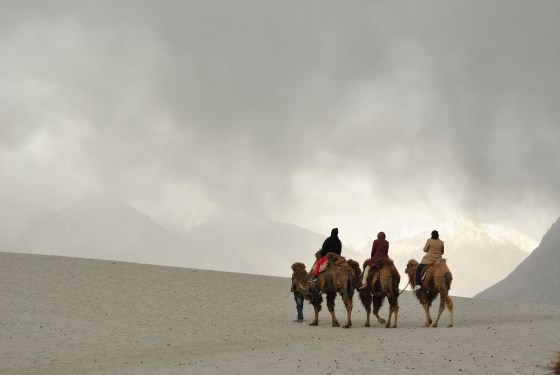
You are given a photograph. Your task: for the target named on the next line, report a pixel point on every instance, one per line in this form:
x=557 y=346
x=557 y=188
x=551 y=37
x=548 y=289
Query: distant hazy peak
x=102 y=196
x=462 y=229
x=99 y=202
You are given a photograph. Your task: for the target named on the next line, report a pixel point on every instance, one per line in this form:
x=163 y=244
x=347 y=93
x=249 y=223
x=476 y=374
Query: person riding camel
x=379 y=249
x=331 y=245
x=434 y=249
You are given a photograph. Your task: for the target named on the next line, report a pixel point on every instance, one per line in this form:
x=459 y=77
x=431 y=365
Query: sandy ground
x=75 y=316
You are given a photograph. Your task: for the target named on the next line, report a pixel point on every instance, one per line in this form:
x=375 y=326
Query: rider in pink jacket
x=379 y=249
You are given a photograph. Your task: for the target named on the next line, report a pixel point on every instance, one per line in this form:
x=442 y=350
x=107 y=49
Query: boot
x=365 y=275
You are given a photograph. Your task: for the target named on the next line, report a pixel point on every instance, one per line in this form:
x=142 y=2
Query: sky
x=360 y=115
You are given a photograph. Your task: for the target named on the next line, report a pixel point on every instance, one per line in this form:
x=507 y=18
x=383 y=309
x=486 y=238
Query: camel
x=437 y=281
x=337 y=278
x=382 y=283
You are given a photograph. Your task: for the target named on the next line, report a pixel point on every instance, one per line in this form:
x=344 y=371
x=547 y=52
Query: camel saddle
x=376 y=268
x=332 y=260
x=424 y=272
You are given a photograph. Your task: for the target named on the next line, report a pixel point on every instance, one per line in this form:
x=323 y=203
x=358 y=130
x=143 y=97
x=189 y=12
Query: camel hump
x=354 y=267
x=334 y=257
x=335 y=261
x=297 y=266
x=384 y=262
x=352 y=263
x=440 y=264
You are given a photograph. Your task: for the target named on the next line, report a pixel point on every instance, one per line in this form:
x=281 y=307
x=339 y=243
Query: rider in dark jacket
x=331 y=245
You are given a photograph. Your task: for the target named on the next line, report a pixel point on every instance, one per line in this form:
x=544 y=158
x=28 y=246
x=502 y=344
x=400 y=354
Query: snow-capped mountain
x=478 y=255
x=465 y=231
x=536 y=279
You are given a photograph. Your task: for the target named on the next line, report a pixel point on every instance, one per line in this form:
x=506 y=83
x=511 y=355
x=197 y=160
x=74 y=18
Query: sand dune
x=77 y=316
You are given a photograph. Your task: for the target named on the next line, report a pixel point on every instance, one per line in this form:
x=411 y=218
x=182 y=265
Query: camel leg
x=368 y=313
x=377 y=302
x=317 y=308
x=440 y=310
x=388 y=323
x=428 y=320
x=396 y=311
x=330 y=305
x=393 y=309
x=348 y=304
x=365 y=297
x=449 y=303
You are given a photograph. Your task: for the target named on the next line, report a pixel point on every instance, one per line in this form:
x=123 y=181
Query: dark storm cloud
x=497 y=77
x=237 y=97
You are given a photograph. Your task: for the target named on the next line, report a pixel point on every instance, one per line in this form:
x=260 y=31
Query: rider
x=331 y=245
x=434 y=249
x=379 y=249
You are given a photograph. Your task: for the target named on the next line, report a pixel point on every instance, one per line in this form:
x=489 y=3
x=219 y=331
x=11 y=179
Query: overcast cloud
x=355 y=113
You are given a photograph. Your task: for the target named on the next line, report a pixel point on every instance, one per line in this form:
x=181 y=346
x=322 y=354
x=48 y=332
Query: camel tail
x=448 y=279
x=396 y=282
x=429 y=276
x=365 y=297
x=350 y=288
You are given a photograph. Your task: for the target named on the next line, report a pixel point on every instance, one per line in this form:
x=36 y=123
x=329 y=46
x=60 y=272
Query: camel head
x=412 y=265
x=410 y=270
x=298 y=267
x=299 y=277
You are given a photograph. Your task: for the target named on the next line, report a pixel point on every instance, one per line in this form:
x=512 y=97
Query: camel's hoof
x=395 y=326
x=382 y=321
x=434 y=325
x=346 y=326
x=449 y=326
x=336 y=324
x=313 y=324
x=387 y=325
x=366 y=325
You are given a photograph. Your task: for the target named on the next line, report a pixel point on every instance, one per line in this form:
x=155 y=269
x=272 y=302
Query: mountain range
x=536 y=279
x=102 y=226
x=253 y=244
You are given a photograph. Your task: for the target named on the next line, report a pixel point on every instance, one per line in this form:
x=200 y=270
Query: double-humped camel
x=437 y=281
x=383 y=282
x=338 y=277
